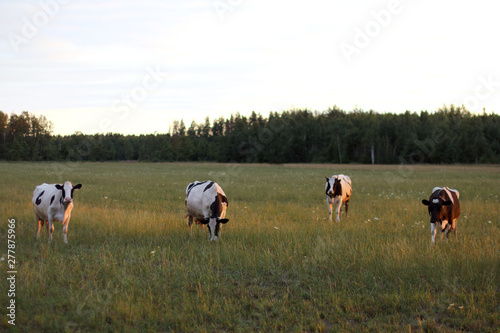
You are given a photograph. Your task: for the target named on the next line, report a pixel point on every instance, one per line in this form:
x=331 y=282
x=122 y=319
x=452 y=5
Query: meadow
x=280 y=265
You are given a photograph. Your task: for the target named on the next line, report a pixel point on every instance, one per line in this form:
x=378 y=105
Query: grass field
x=280 y=265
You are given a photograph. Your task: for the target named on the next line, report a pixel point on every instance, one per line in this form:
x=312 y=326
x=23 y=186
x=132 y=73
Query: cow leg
x=454 y=225
x=66 y=226
x=329 y=203
x=446 y=232
x=50 y=228
x=338 y=210
x=39 y=224
x=433 y=232
x=346 y=207
x=445 y=228
x=65 y=232
x=190 y=224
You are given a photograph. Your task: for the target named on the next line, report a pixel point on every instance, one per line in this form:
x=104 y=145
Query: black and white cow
x=206 y=203
x=53 y=202
x=444 y=209
x=338 y=189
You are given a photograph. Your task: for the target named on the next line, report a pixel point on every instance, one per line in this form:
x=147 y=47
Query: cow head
x=67 y=192
x=328 y=187
x=213 y=224
x=435 y=208
x=333 y=189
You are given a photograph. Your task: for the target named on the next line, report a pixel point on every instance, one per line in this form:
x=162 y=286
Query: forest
x=449 y=135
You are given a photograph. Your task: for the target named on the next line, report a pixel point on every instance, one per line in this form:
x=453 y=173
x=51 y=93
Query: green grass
x=280 y=265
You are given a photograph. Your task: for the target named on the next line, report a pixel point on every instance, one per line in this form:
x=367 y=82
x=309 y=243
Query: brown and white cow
x=444 y=209
x=206 y=203
x=338 y=190
x=53 y=202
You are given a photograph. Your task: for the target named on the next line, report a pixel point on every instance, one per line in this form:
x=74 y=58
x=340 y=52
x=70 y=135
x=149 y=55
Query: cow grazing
x=206 y=203
x=53 y=202
x=338 y=190
x=444 y=209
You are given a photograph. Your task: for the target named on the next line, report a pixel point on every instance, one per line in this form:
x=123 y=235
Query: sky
x=135 y=67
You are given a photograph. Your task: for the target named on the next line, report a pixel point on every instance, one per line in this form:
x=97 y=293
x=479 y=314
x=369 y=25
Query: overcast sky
x=134 y=67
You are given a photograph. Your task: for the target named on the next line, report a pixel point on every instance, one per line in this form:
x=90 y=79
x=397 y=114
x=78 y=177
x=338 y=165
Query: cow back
x=46 y=197
x=455 y=207
x=205 y=200
x=46 y=194
x=346 y=188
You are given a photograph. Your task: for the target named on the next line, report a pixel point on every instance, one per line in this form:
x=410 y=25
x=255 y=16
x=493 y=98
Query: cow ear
x=205 y=221
x=426 y=202
x=59 y=187
x=77 y=187
x=224 y=221
x=447 y=203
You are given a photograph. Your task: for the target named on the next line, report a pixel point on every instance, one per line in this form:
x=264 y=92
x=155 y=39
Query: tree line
x=450 y=135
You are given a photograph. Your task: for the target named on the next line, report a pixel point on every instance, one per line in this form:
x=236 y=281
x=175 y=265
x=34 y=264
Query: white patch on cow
x=436 y=189
x=454 y=191
x=435 y=201
x=447 y=190
x=433 y=231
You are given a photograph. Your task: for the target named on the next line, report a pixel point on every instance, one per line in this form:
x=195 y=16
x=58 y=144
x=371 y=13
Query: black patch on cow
x=327 y=186
x=61 y=188
x=216 y=206
x=75 y=187
x=337 y=187
x=52 y=199
x=190 y=186
x=39 y=198
x=217 y=229
x=208 y=186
